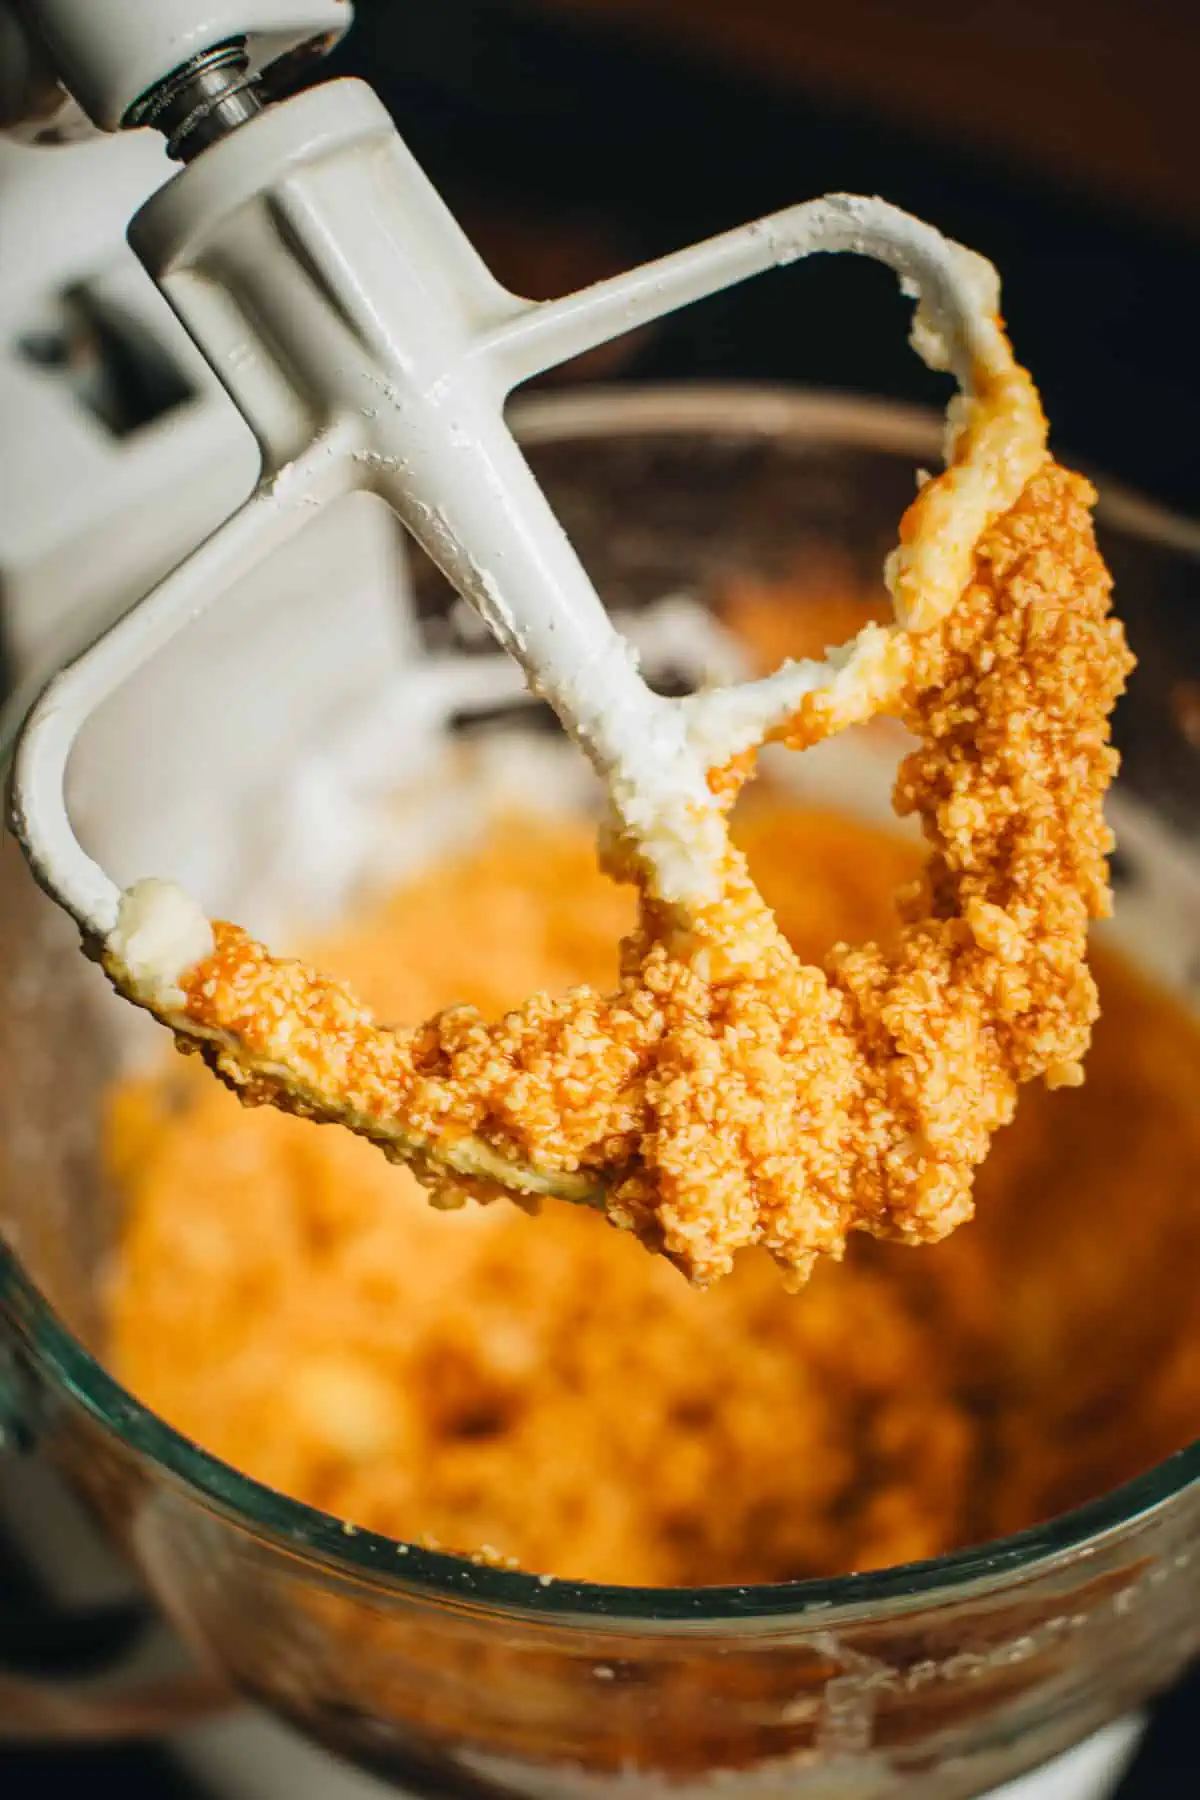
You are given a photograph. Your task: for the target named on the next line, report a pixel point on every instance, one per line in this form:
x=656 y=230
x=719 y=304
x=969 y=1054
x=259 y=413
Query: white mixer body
x=92 y=513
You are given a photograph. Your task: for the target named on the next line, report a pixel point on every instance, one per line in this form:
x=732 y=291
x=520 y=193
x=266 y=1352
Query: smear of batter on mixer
x=727 y=1094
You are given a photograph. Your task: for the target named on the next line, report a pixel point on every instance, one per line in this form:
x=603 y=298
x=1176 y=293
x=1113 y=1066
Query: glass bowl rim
x=358 y=1556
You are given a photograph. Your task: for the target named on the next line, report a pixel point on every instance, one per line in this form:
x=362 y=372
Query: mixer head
x=193 y=71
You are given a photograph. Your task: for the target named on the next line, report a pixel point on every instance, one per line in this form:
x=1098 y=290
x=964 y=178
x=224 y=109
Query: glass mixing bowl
x=936 y=1680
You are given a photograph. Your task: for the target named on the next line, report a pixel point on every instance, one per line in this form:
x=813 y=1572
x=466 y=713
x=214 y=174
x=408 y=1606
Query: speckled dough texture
x=727 y=1094
x=541 y=1390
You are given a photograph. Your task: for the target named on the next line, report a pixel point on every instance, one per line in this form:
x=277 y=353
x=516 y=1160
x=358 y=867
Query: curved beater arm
x=37 y=802
x=554 y=331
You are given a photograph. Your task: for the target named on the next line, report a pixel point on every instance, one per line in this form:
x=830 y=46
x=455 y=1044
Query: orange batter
x=541 y=1390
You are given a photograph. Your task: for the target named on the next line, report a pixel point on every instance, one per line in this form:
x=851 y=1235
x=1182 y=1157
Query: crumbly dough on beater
x=727 y=1094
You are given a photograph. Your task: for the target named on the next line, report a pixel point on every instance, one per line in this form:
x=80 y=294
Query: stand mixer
x=209 y=107
x=369 y=348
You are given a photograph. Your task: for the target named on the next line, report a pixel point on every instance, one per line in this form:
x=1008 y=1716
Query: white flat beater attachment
x=370 y=348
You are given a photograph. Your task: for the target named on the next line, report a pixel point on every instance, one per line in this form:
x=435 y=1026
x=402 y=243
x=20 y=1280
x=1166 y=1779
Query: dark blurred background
x=1060 y=138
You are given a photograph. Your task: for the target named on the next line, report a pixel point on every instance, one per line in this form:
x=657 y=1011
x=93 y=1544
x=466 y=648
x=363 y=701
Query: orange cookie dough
x=541 y=1391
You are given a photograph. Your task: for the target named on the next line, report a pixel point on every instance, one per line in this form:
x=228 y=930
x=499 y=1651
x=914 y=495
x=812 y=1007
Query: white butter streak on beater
x=159 y=935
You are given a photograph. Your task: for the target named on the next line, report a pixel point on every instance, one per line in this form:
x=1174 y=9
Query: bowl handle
x=95 y=1674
